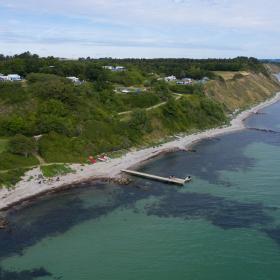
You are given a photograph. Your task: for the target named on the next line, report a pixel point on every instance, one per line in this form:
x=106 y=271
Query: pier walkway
x=170 y=180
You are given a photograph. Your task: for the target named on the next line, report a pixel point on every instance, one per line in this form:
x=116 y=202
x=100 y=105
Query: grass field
x=55 y=170
x=228 y=75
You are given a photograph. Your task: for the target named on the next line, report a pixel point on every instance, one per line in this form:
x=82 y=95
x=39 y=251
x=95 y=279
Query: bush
x=12 y=161
x=22 y=145
x=56 y=170
x=11 y=178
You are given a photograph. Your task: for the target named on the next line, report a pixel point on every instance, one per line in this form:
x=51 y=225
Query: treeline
x=139 y=69
x=194 y=68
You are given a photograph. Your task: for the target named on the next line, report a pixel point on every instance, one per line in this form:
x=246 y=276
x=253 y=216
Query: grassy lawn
x=56 y=170
x=228 y=75
x=11 y=161
x=3 y=144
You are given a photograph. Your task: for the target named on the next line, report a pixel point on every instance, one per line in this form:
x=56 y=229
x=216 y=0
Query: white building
x=74 y=80
x=204 y=80
x=185 y=81
x=109 y=67
x=14 y=77
x=170 y=78
x=119 y=68
x=10 y=77
x=114 y=68
x=125 y=90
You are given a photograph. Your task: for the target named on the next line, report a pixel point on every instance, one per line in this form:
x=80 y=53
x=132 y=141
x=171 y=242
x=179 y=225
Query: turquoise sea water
x=224 y=225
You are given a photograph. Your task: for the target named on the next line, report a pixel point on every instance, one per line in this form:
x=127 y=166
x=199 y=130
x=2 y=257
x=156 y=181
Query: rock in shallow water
x=3 y=223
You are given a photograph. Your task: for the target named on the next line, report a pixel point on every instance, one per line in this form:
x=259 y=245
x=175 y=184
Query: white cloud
x=247 y=13
x=210 y=26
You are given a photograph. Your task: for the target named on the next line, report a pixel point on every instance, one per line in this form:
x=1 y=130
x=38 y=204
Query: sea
x=225 y=224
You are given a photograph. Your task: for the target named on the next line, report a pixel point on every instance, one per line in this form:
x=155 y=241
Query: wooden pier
x=170 y=180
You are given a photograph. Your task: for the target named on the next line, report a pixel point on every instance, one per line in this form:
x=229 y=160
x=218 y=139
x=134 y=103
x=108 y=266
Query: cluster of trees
x=76 y=121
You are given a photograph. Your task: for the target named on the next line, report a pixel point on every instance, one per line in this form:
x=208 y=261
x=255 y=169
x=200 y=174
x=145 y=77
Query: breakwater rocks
x=118 y=180
x=122 y=181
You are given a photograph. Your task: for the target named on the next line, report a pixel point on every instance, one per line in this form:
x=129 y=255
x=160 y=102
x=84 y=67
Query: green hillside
x=73 y=122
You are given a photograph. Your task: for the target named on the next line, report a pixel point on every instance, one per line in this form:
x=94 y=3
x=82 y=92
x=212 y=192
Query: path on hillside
x=39 y=158
x=178 y=96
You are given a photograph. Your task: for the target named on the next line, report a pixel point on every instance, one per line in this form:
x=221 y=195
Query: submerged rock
x=3 y=223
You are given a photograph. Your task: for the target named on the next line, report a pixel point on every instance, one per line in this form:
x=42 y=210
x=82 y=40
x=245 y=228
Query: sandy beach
x=29 y=186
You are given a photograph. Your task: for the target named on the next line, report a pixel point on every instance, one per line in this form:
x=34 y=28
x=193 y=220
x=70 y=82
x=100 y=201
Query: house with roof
x=119 y=68
x=75 y=80
x=14 y=77
x=109 y=67
x=170 y=78
x=185 y=81
x=10 y=77
x=204 y=80
x=115 y=68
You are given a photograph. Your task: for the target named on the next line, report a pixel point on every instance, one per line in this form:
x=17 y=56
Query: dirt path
x=178 y=96
x=39 y=158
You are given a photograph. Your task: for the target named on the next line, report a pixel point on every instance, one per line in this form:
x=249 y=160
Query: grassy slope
x=243 y=91
x=228 y=75
x=56 y=170
x=187 y=114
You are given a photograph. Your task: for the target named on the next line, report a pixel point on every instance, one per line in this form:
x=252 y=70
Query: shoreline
x=28 y=189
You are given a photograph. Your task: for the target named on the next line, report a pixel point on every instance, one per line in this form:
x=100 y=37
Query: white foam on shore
x=27 y=188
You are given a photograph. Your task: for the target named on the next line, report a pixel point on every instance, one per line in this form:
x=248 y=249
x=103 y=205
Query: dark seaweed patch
x=226 y=214
x=212 y=157
x=23 y=275
x=61 y=213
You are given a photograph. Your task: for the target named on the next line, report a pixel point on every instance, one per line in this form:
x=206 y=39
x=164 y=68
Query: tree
x=140 y=121
x=22 y=145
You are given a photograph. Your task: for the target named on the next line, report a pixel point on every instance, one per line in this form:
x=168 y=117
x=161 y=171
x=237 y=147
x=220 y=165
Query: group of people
x=42 y=180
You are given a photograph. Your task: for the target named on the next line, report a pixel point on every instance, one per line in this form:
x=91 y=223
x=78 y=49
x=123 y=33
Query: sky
x=142 y=28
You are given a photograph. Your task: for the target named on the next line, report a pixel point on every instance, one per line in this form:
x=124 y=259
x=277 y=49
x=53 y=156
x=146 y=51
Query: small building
x=170 y=78
x=204 y=80
x=119 y=68
x=74 y=80
x=114 y=68
x=10 y=78
x=125 y=90
x=14 y=77
x=109 y=67
x=185 y=81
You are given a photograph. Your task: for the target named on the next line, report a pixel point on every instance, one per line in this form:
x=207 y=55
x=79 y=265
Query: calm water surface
x=224 y=225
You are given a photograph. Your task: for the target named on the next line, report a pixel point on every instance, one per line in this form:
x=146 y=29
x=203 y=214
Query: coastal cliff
x=243 y=90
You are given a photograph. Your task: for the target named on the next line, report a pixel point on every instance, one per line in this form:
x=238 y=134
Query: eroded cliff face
x=243 y=90
x=273 y=68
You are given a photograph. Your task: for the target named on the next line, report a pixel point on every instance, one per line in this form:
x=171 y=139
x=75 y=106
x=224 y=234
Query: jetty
x=170 y=180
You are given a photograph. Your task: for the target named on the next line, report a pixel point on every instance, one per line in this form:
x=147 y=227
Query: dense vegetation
x=140 y=69
x=76 y=121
